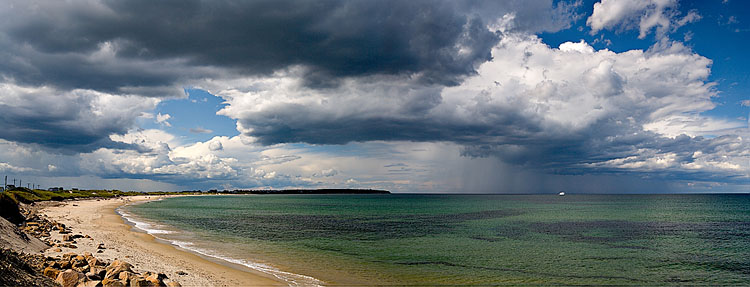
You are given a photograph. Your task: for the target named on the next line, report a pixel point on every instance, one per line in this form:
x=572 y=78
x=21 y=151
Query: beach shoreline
x=99 y=219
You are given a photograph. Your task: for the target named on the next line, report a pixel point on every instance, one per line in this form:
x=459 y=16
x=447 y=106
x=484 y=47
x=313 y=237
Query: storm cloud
x=50 y=42
x=632 y=112
x=67 y=121
x=121 y=50
x=85 y=86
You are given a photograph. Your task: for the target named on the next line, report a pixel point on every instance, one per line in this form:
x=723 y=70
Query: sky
x=424 y=96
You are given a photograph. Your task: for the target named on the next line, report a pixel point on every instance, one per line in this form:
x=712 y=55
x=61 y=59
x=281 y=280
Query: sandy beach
x=97 y=218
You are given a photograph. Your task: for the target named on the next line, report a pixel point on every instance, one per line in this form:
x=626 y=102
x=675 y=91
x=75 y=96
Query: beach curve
x=99 y=219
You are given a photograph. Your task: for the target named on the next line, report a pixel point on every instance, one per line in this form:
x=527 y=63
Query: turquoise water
x=467 y=239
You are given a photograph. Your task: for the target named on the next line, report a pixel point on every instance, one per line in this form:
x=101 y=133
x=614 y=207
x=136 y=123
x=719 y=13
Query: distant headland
x=302 y=191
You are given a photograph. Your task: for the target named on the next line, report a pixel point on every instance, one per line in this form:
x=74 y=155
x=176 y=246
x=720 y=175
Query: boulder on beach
x=51 y=272
x=141 y=282
x=155 y=278
x=117 y=266
x=107 y=282
x=93 y=283
x=69 y=278
x=93 y=261
x=126 y=276
x=93 y=275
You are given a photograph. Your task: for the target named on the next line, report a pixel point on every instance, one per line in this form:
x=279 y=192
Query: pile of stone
x=85 y=270
x=40 y=227
x=80 y=270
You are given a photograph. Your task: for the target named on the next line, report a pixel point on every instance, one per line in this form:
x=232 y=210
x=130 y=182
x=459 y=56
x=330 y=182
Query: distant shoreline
x=308 y=191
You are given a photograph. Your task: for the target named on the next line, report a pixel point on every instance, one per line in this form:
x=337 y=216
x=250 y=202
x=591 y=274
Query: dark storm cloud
x=53 y=132
x=156 y=48
x=67 y=122
x=439 y=40
x=297 y=123
x=78 y=71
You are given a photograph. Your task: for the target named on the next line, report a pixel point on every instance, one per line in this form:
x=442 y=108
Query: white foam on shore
x=292 y=279
x=144 y=226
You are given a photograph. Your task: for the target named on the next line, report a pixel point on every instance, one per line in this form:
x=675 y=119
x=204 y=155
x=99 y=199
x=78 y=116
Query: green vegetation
x=25 y=195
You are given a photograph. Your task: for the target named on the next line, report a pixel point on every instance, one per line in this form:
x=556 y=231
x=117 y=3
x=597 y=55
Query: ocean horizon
x=459 y=239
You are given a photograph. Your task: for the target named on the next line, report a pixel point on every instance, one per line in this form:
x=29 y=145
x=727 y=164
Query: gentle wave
x=292 y=279
x=146 y=227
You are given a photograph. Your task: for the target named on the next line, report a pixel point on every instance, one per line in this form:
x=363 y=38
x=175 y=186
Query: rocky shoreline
x=68 y=269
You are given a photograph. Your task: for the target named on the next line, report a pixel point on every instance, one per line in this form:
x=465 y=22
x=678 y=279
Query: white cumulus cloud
x=645 y=15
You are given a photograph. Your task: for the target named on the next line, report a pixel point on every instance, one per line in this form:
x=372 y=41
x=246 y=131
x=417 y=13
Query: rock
x=180 y=272
x=51 y=272
x=82 y=269
x=69 y=255
x=126 y=276
x=79 y=262
x=69 y=278
x=100 y=251
x=155 y=278
x=141 y=282
x=173 y=284
x=98 y=271
x=93 y=283
x=67 y=237
x=117 y=266
x=112 y=283
x=53 y=264
x=101 y=246
x=71 y=246
x=57 y=250
x=93 y=261
x=64 y=264
x=93 y=276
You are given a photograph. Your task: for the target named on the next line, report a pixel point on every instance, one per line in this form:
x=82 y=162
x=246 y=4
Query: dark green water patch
x=529 y=272
x=297 y=227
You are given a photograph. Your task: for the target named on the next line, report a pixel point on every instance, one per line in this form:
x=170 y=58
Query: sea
x=439 y=239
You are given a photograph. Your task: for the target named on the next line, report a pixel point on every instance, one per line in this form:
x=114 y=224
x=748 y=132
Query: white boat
x=562 y=193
